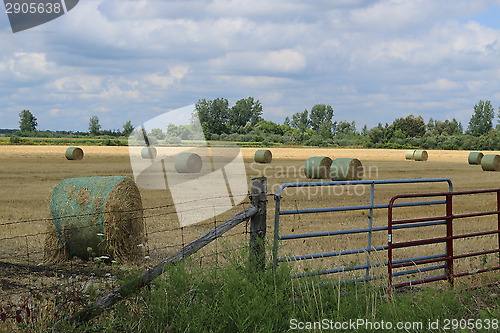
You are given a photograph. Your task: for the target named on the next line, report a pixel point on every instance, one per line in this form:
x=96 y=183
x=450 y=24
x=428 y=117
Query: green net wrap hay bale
x=318 y=167
x=188 y=163
x=149 y=153
x=346 y=169
x=409 y=155
x=98 y=216
x=490 y=162
x=475 y=158
x=74 y=153
x=54 y=250
x=263 y=156
x=420 y=155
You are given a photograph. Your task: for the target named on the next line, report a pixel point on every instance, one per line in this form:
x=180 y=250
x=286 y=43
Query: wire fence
x=28 y=276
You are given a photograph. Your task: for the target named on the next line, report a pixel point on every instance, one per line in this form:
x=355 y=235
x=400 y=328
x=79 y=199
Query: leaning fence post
x=258 y=196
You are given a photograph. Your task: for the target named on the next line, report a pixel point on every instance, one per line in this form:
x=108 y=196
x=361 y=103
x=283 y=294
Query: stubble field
x=29 y=173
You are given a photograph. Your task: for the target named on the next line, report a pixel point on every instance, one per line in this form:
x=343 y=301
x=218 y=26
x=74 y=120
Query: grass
x=235 y=298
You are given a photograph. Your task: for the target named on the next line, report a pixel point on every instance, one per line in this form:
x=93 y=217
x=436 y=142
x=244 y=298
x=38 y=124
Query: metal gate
x=448 y=258
x=369 y=230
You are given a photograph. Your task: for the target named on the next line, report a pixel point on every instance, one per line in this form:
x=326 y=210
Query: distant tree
x=481 y=121
x=213 y=116
x=94 y=126
x=409 y=127
x=325 y=130
x=300 y=120
x=345 y=127
x=447 y=127
x=380 y=133
x=319 y=114
x=287 y=121
x=157 y=133
x=128 y=128
x=364 y=130
x=27 y=122
x=245 y=111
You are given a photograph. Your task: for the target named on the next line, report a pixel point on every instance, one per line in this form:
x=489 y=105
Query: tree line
x=243 y=122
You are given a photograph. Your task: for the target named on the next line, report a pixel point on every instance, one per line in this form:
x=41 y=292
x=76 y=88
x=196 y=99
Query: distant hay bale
x=475 y=158
x=490 y=162
x=74 y=153
x=318 y=167
x=410 y=154
x=149 y=153
x=346 y=169
x=420 y=155
x=97 y=216
x=263 y=156
x=188 y=163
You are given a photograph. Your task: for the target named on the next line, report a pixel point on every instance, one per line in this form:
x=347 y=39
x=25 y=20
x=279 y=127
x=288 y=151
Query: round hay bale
x=149 y=153
x=490 y=162
x=409 y=155
x=74 y=153
x=318 y=167
x=420 y=155
x=263 y=156
x=188 y=163
x=475 y=157
x=98 y=216
x=346 y=169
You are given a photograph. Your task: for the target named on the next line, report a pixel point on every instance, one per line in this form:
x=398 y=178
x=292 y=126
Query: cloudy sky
x=372 y=61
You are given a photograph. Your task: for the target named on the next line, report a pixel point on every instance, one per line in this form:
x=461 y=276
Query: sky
x=372 y=61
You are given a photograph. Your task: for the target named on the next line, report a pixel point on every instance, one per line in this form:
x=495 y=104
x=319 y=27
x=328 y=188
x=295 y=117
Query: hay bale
x=188 y=163
x=490 y=162
x=420 y=155
x=318 y=167
x=74 y=153
x=149 y=153
x=263 y=156
x=410 y=154
x=54 y=250
x=98 y=216
x=346 y=169
x=475 y=158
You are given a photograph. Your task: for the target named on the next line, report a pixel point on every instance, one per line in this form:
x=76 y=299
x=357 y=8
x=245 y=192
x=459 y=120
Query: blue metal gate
x=369 y=230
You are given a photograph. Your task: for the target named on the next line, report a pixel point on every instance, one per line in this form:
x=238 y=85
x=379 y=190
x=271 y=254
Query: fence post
x=258 y=196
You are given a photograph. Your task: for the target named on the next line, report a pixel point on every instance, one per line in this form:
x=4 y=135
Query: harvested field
x=29 y=173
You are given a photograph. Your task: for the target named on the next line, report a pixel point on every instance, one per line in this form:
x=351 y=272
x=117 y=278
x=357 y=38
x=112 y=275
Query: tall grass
x=236 y=298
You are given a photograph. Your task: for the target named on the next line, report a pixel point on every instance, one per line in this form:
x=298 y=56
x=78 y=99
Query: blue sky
x=372 y=61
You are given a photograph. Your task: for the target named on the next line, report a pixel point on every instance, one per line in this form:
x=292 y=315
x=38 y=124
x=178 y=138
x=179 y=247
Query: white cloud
x=369 y=59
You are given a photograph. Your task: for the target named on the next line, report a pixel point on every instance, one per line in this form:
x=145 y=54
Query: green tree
x=213 y=116
x=481 y=121
x=300 y=120
x=157 y=133
x=27 y=122
x=345 y=127
x=128 y=128
x=245 y=111
x=94 y=126
x=409 y=127
x=319 y=114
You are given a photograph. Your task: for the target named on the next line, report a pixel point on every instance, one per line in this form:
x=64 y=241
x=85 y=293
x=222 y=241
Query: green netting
x=77 y=208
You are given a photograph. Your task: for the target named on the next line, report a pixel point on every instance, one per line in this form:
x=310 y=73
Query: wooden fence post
x=258 y=195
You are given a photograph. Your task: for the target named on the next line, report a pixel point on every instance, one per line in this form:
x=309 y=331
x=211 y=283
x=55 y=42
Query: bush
x=14 y=140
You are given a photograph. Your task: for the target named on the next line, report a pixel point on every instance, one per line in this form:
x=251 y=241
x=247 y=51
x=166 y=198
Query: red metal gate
x=449 y=257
